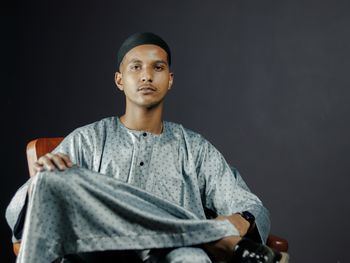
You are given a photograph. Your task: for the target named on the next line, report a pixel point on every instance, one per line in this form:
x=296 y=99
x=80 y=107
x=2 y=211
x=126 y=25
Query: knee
x=50 y=181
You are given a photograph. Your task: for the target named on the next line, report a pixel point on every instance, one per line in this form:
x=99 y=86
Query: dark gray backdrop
x=265 y=81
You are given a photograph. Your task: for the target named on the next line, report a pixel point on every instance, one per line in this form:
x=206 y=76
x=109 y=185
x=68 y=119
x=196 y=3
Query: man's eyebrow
x=135 y=61
x=161 y=61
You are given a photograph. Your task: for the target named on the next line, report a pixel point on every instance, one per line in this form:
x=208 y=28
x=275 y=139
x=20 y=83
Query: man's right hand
x=52 y=161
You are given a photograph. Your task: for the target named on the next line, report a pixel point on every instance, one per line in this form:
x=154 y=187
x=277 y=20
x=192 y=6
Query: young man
x=138 y=183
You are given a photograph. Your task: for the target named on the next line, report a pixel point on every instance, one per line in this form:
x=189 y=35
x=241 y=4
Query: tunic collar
x=141 y=132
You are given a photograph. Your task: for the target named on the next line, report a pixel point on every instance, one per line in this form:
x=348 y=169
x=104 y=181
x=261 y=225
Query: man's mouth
x=146 y=88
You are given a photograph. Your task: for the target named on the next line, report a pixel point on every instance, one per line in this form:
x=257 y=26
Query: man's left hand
x=241 y=224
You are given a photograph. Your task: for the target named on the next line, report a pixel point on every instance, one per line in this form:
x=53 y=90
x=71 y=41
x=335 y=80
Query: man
x=137 y=183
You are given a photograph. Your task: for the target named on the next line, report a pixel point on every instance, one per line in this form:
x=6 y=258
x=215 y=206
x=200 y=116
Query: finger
x=58 y=162
x=66 y=159
x=38 y=167
x=47 y=163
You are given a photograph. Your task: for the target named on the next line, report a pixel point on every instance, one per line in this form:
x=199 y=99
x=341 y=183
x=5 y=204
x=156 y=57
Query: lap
x=112 y=256
x=177 y=255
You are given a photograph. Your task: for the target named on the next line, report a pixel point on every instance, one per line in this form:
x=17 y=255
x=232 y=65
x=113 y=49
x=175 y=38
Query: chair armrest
x=16 y=247
x=277 y=243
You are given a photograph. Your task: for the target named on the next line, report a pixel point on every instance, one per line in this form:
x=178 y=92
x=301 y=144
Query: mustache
x=146 y=86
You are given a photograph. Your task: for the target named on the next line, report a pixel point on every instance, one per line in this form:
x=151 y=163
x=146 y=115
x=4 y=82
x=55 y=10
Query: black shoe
x=247 y=251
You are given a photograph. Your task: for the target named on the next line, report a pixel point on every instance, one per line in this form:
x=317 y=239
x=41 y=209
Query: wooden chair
x=39 y=147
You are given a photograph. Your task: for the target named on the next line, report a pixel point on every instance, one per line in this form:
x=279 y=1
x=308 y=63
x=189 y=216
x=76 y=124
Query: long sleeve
x=226 y=192
x=85 y=145
x=75 y=146
x=15 y=211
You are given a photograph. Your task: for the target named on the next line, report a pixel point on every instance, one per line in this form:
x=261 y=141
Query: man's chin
x=145 y=103
x=150 y=105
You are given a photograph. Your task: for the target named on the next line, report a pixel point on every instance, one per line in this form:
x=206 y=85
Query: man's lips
x=146 y=88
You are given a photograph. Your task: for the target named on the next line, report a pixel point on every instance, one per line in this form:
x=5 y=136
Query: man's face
x=144 y=76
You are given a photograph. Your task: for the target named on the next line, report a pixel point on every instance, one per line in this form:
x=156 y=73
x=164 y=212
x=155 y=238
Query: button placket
x=143 y=160
x=143 y=149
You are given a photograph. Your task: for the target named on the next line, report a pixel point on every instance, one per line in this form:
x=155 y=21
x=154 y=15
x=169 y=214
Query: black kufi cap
x=138 y=39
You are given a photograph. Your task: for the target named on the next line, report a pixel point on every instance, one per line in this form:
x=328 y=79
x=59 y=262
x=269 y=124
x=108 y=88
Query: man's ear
x=171 y=80
x=118 y=79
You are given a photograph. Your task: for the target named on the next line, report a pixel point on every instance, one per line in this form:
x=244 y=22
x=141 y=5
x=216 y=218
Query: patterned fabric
x=153 y=194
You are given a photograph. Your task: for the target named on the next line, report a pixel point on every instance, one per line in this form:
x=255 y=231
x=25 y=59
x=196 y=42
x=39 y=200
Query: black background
x=267 y=82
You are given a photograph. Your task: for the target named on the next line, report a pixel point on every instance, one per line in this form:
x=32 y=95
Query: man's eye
x=159 y=68
x=135 y=67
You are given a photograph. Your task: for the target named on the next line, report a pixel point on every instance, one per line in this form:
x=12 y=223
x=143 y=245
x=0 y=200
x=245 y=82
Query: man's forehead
x=146 y=53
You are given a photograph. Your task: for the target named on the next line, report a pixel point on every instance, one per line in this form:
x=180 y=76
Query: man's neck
x=140 y=120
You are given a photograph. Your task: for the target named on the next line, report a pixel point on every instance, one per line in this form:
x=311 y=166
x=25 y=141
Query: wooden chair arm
x=277 y=243
x=16 y=247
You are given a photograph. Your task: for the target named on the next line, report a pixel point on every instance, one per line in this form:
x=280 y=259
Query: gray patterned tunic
x=153 y=194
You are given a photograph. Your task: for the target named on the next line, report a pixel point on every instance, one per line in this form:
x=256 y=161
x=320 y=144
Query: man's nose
x=146 y=75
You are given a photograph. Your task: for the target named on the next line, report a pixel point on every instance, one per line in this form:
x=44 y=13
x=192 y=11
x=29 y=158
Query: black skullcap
x=142 y=38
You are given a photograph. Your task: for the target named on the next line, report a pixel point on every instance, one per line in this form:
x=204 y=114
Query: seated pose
x=137 y=186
